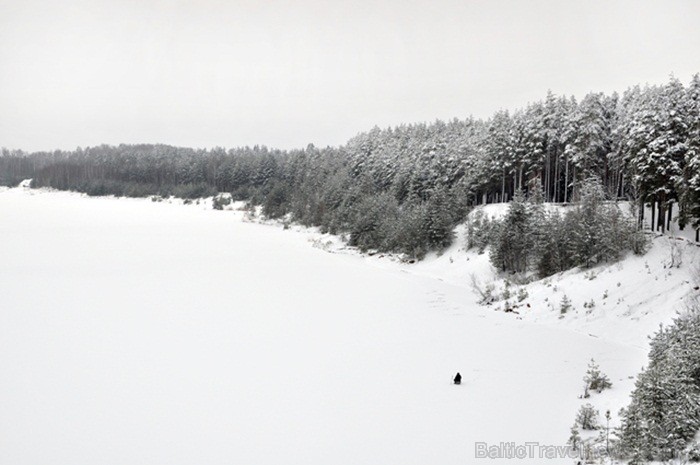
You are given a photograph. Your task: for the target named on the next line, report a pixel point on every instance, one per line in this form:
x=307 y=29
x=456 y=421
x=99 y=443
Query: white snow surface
x=138 y=332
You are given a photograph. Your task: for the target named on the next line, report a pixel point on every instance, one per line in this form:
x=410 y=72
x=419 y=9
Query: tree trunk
x=566 y=180
x=520 y=181
x=669 y=215
x=621 y=189
x=555 y=183
x=653 y=216
x=546 y=178
x=503 y=185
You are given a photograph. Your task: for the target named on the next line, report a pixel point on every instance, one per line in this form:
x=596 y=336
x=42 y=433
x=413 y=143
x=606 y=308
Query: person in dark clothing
x=458 y=379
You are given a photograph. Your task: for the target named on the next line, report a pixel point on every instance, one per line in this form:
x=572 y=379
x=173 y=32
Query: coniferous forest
x=403 y=189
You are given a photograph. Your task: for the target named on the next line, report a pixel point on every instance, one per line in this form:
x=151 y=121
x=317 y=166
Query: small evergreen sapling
x=507 y=294
x=595 y=380
x=575 y=437
x=587 y=418
x=565 y=305
x=479 y=231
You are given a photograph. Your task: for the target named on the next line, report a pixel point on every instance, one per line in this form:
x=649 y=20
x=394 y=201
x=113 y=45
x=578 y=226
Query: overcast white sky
x=210 y=73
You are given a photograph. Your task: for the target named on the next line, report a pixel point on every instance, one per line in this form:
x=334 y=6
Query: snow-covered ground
x=138 y=332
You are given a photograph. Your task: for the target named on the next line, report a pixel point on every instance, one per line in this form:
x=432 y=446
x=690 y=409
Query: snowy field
x=135 y=332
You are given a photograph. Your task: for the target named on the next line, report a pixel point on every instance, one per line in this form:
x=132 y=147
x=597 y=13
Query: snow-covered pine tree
x=588 y=234
x=512 y=246
x=500 y=150
x=690 y=196
x=437 y=222
x=479 y=231
x=552 y=251
x=633 y=444
x=589 y=146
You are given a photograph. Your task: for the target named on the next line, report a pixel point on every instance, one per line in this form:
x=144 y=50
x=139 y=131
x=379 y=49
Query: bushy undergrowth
x=530 y=238
x=139 y=189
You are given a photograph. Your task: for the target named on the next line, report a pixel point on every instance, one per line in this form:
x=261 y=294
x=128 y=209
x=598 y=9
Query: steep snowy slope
x=145 y=333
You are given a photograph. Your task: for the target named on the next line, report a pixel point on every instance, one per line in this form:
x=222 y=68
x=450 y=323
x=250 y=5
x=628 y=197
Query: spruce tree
x=513 y=242
x=594 y=379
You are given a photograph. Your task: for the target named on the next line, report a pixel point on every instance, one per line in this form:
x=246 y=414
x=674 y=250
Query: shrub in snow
x=565 y=305
x=220 y=201
x=590 y=305
x=522 y=294
x=506 y=292
x=594 y=379
x=485 y=291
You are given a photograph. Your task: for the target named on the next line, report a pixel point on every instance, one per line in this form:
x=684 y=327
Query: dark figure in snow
x=458 y=379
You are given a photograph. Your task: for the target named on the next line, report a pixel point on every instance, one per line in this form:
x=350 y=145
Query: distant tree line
x=403 y=189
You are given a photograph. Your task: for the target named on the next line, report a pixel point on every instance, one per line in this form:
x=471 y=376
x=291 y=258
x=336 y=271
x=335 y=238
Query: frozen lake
x=134 y=332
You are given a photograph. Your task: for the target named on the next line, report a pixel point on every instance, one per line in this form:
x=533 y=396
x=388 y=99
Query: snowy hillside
x=639 y=292
x=147 y=332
